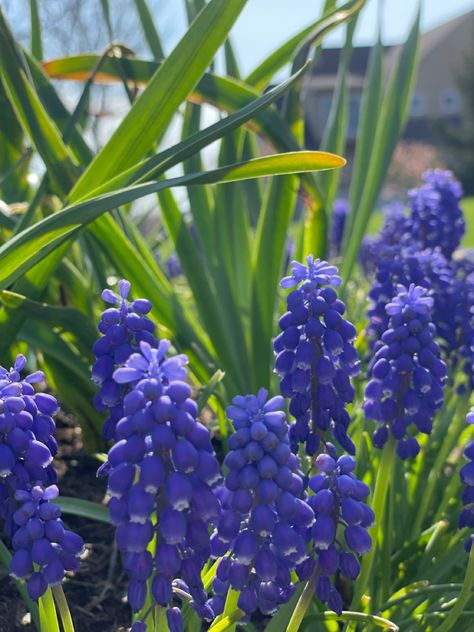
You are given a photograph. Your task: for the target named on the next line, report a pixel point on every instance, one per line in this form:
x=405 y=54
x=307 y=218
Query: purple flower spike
x=27 y=489
x=316 y=357
x=265 y=516
x=338 y=501
x=315 y=273
x=407 y=374
x=123 y=327
x=161 y=464
x=466 y=517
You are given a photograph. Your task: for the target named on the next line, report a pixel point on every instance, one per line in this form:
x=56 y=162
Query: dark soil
x=96 y=593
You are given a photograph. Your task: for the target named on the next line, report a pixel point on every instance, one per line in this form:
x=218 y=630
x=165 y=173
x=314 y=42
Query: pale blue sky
x=263 y=24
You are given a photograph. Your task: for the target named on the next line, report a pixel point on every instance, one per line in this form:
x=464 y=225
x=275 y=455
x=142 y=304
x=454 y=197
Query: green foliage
x=83 y=226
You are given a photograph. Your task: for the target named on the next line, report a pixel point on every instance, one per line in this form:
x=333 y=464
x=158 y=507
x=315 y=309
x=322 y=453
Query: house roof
x=329 y=58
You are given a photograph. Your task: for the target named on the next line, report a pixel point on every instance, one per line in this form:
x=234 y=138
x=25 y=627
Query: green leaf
x=268 y=253
x=313 y=33
x=388 y=128
x=47 y=612
x=370 y=107
x=150 y=115
x=189 y=147
x=348 y=615
x=83 y=508
x=68 y=319
x=31 y=114
x=58 y=112
x=335 y=132
x=106 y=11
x=149 y=29
x=33 y=244
x=35 y=31
x=222 y=92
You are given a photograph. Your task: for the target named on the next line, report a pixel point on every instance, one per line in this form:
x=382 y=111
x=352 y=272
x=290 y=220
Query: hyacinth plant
x=273 y=456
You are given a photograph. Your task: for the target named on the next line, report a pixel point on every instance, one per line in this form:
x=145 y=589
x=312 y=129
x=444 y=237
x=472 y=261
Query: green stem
x=420 y=592
x=63 y=608
x=48 y=616
x=227 y=622
x=382 y=484
x=161 y=624
x=349 y=616
x=303 y=603
x=445 y=448
x=464 y=596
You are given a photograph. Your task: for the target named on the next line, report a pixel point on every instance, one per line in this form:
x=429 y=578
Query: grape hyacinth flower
x=173 y=266
x=454 y=318
x=316 y=357
x=392 y=233
x=399 y=265
x=338 y=502
x=406 y=372
x=436 y=217
x=123 y=327
x=43 y=549
x=338 y=222
x=265 y=516
x=161 y=474
x=466 y=518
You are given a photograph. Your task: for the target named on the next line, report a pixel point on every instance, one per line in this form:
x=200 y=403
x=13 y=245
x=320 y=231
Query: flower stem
x=48 y=616
x=161 y=624
x=227 y=622
x=63 y=608
x=379 y=502
x=303 y=603
x=464 y=596
x=445 y=448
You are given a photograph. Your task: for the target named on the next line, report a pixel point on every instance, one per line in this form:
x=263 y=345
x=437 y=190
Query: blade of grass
x=261 y=75
x=370 y=108
x=149 y=29
x=83 y=508
x=173 y=81
x=222 y=92
x=390 y=123
x=36 y=42
x=34 y=243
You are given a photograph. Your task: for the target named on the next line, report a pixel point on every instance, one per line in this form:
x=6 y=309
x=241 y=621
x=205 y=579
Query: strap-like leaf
x=33 y=244
x=388 y=128
x=151 y=114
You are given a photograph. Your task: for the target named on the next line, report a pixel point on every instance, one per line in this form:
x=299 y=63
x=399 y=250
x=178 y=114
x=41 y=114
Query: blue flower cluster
x=123 y=327
x=43 y=548
x=265 y=515
x=407 y=374
x=161 y=474
x=419 y=249
x=454 y=317
x=340 y=212
x=398 y=265
x=338 y=501
x=466 y=518
x=316 y=356
x=436 y=218
x=391 y=234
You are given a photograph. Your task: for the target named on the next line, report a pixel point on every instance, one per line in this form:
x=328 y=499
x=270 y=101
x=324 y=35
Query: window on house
x=450 y=101
x=418 y=107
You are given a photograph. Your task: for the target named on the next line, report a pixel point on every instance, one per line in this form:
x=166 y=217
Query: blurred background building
x=444 y=53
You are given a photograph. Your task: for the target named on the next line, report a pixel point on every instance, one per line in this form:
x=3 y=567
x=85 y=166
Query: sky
x=263 y=24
